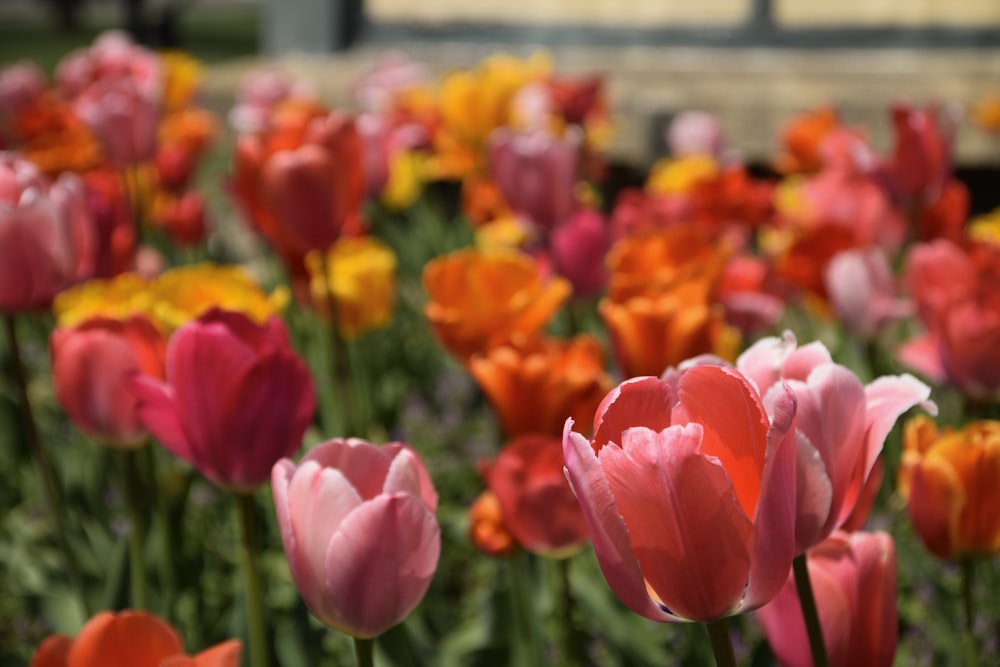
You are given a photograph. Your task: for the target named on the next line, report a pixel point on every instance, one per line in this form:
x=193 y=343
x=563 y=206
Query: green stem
x=525 y=617
x=364 y=652
x=341 y=360
x=256 y=630
x=136 y=533
x=168 y=548
x=51 y=489
x=722 y=643
x=573 y=653
x=809 y=614
x=968 y=589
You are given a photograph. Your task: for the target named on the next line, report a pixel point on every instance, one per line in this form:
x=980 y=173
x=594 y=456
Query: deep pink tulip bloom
x=853 y=577
x=123 y=116
x=90 y=366
x=46 y=236
x=863 y=291
x=842 y=425
x=359 y=531
x=235 y=400
x=578 y=247
x=922 y=157
x=536 y=173
x=688 y=489
x=21 y=84
x=113 y=55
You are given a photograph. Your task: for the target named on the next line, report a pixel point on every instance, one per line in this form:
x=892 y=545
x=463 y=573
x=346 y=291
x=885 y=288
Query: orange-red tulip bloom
x=688 y=488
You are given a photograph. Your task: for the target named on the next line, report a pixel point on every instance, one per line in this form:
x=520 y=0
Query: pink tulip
x=359 y=531
x=112 y=56
x=46 y=237
x=259 y=93
x=695 y=132
x=123 y=116
x=854 y=583
x=860 y=286
x=688 y=489
x=536 y=174
x=21 y=84
x=841 y=424
x=578 y=247
x=90 y=365
x=235 y=400
x=393 y=73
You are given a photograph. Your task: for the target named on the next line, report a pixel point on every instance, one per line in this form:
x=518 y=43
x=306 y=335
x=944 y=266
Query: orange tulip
x=487 y=530
x=802 y=137
x=479 y=300
x=949 y=479
x=533 y=388
x=129 y=639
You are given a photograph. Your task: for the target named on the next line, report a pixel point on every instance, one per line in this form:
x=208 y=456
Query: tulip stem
x=363 y=652
x=528 y=651
x=51 y=489
x=341 y=360
x=807 y=601
x=133 y=499
x=256 y=630
x=968 y=588
x=572 y=647
x=722 y=643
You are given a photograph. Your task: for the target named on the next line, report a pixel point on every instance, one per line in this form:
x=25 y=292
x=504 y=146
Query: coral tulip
x=949 y=479
x=479 y=301
x=841 y=424
x=46 y=238
x=129 y=639
x=661 y=449
x=539 y=508
x=235 y=400
x=359 y=531
x=854 y=580
x=90 y=363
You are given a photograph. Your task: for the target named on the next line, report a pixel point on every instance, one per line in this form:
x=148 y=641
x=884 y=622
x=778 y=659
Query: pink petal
x=364 y=464
x=158 y=414
x=887 y=398
x=641 y=401
x=923 y=354
x=379 y=565
x=814 y=495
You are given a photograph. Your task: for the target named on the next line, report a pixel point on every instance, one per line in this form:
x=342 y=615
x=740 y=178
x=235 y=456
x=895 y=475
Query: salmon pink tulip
x=359 y=531
x=688 y=489
x=235 y=400
x=90 y=365
x=854 y=582
x=841 y=424
x=129 y=639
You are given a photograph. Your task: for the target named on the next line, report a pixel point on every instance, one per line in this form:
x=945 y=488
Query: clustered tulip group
x=641 y=411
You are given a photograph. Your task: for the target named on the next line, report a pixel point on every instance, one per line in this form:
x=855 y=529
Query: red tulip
x=688 y=489
x=90 y=364
x=538 y=506
x=923 y=150
x=235 y=400
x=854 y=583
x=357 y=523
x=578 y=247
x=46 y=239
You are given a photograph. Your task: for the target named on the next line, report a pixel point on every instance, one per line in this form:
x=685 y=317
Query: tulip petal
x=814 y=495
x=694 y=553
x=125 y=639
x=887 y=398
x=608 y=531
x=226 y=654
x=364 y=464
x=379 y=564
x=52 y=652
x=876 y=623
x=641 y=401
x=158 y=415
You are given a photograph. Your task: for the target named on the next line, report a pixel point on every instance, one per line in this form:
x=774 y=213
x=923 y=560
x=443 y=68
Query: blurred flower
x=695 y=133
x=534 y=387
x=488 y=531
x=986 y=113
x=393 y=73
x=21 y=86
x=660 y=448
x=479 y=301
x=863 y=292
x=922 y=157
x=539 y=508
x=183 y=138
x=115 y=234
x=359 y=275
x=132 y=639
x=113 y=55
x=259 y=93
x=536 y=173
x=854 y=583
x=90 y=363
x=182 y=75
x=181 y=217
x=802 y=137
x=841 y=425
x=949 y=480
x=679 y=175
x=235 y=400
x=578 y=247
x=51 y=135
x=116 y=298
x=746 y=291
x=358 y=526
x=46 y=235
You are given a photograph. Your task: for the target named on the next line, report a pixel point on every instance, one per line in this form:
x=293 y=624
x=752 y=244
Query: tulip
x=21 y=84
x=358 y=527
x=182 y=217
x=90 y=364
x=124 y=117
x=391 y=74
x=854 y=576
x=46 y=239
x=536 y=173
x=479 y=301
x=661 y=447
x=235 y=400
x=841 y=424
x=949 y=479
x=537 y=504
x=923 y=149
x=129 y=639
x=488 y=531
x=695 y=133
x=533 y=388
x=862 y=291
x=578 y=247
x=802 y=138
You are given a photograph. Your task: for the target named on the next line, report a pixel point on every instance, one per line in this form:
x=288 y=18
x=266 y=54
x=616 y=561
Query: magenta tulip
x=359 y=531
x=235 y=400
x=854 y=580
x=578 y=247
x=688 y=489
x=842 y=425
